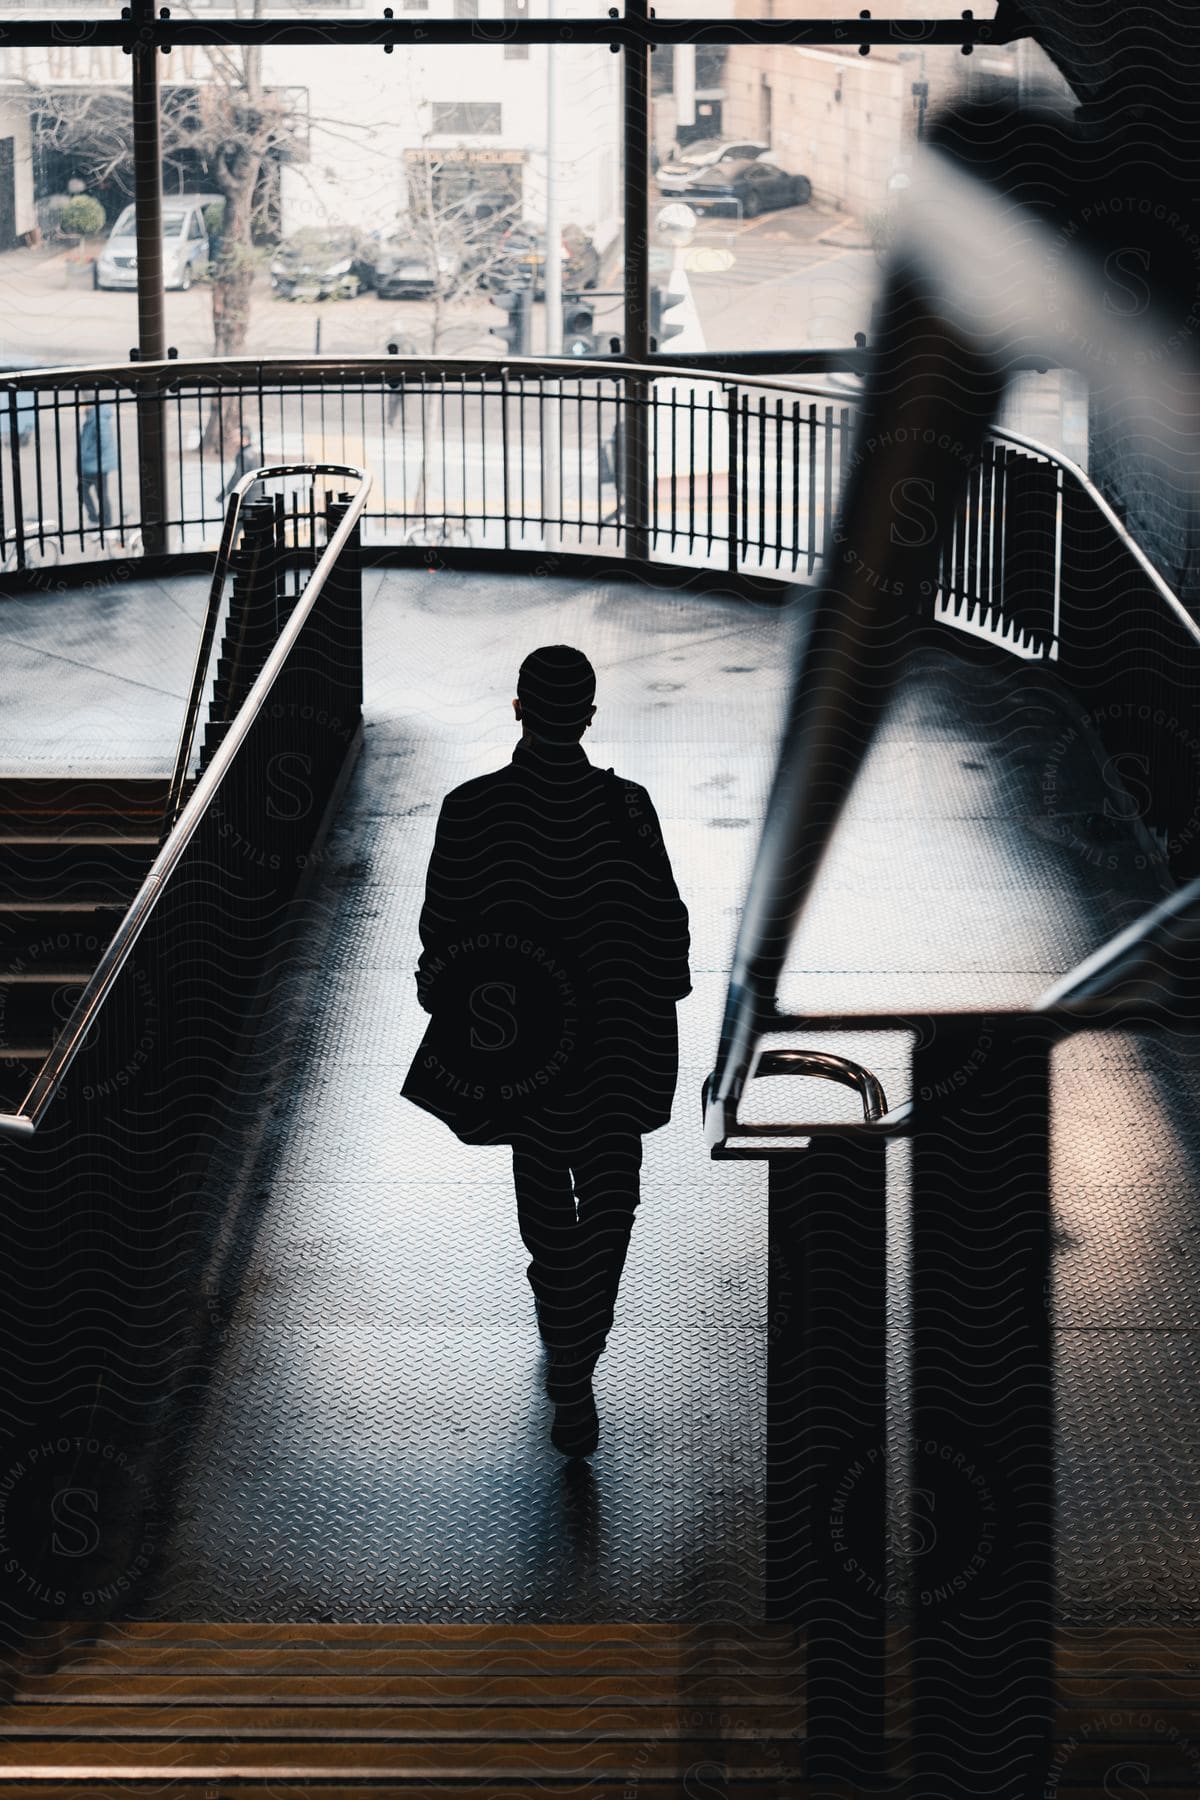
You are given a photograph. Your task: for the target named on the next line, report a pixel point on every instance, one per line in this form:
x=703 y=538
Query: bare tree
x=230 y=123
x=459 y=236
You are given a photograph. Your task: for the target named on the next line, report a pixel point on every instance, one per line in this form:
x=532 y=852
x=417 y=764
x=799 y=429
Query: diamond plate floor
x=368 y=1439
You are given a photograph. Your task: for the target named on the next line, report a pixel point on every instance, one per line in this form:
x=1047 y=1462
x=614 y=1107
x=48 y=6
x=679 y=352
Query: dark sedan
x=521 y=260
x=401 y=266
x=745 y=188
x=316 y=264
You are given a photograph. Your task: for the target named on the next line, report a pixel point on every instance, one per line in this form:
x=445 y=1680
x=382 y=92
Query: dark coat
x=555 y=946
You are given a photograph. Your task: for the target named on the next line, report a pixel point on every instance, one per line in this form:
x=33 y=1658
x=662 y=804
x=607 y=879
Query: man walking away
x=554 y=950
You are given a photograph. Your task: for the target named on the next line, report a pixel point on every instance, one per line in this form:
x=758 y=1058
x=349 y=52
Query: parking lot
x=799 y=276
x=742 y=274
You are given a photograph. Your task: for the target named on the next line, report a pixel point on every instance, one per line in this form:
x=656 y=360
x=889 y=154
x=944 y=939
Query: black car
x=316 y=264
x=400 y=265
x=747 y=188
x=673 y=175
x=521 y=259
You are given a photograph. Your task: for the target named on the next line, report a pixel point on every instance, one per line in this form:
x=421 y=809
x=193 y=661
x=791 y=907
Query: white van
x=185 y=245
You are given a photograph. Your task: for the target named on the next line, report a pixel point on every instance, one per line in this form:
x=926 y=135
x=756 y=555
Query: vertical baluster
x=795 y=484
x=812 y=487
x=830 y=487
x=744 y=466
x=778 y=480
x=691 y=468
x=732 y=478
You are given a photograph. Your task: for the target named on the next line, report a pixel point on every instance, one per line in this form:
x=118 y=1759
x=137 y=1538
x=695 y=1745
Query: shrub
x=82 y=216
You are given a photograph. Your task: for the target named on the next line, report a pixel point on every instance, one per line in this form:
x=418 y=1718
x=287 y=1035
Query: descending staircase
x=602 y=1711
x=575 y=1712
x=73 y=851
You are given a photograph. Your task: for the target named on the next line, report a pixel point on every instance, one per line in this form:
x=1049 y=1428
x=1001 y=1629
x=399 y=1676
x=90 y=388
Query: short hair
x=556 y=687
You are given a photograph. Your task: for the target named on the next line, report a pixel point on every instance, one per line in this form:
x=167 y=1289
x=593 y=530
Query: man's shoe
x=576 y=1428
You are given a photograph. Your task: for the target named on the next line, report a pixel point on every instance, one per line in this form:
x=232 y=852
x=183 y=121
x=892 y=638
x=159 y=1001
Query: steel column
x=152 y=322
x=635 y=462
x=826 y=1520
x=982 y=1528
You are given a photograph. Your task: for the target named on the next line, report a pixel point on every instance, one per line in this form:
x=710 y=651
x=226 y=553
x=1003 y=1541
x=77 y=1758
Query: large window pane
x=791 y=163
x=913 y=11
x=437 y=162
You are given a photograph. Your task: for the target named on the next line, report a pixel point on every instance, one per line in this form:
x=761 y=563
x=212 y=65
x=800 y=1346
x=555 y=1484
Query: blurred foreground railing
x=931 y=1300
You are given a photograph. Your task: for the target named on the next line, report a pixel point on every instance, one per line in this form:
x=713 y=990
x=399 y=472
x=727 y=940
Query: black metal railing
x=530 y=455
x=101 y=1164
x=742 y=473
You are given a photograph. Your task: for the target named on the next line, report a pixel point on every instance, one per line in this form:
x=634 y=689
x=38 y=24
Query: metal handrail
x=1132 y=973
x=755 y=367
x=174 y=372
x=826 y=1066
x=747 y=366
x=25 y=1121
x=801 y=820
x=212 y=614
x=1120 y=531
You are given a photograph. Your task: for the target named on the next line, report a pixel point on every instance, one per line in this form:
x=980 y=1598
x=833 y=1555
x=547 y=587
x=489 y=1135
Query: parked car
x=316 y=263
x=12 y=364
x=521 y=259
x=400 y=267
x=748 y=188
x=674 y=174
x=186 y=249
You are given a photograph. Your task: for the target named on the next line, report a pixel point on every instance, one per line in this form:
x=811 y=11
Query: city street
x=799 y=276
x=760 y=282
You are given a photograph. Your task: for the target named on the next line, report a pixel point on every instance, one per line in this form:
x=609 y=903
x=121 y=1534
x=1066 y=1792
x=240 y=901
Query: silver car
x=185 y=245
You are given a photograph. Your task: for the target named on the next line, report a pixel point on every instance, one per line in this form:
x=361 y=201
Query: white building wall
x=847 y=122
x=357 y=168
x=14 y=123
x=369 y=107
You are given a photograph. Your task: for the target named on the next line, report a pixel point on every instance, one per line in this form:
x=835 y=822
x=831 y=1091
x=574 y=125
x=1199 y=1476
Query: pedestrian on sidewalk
x=99 y=457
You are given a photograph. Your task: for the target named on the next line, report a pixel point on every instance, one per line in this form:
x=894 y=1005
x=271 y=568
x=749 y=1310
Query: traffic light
x=578 y=333
x=662 y=328
x=515 y=332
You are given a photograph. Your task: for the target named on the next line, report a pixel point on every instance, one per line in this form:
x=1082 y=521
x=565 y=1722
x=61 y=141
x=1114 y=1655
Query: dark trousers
x=575 y=1215
x=95 y=490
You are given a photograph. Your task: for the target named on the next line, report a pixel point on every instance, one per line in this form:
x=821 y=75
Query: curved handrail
x=828 y=1067
x=745 y=367
x=174 y=372
x=49 y=1078
x=1128 y=543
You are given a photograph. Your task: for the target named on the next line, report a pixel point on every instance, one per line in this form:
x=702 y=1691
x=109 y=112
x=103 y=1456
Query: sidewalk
x=848 y=233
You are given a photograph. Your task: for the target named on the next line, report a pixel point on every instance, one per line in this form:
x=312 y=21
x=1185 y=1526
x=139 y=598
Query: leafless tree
x=227 y=120
x=461 y=237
